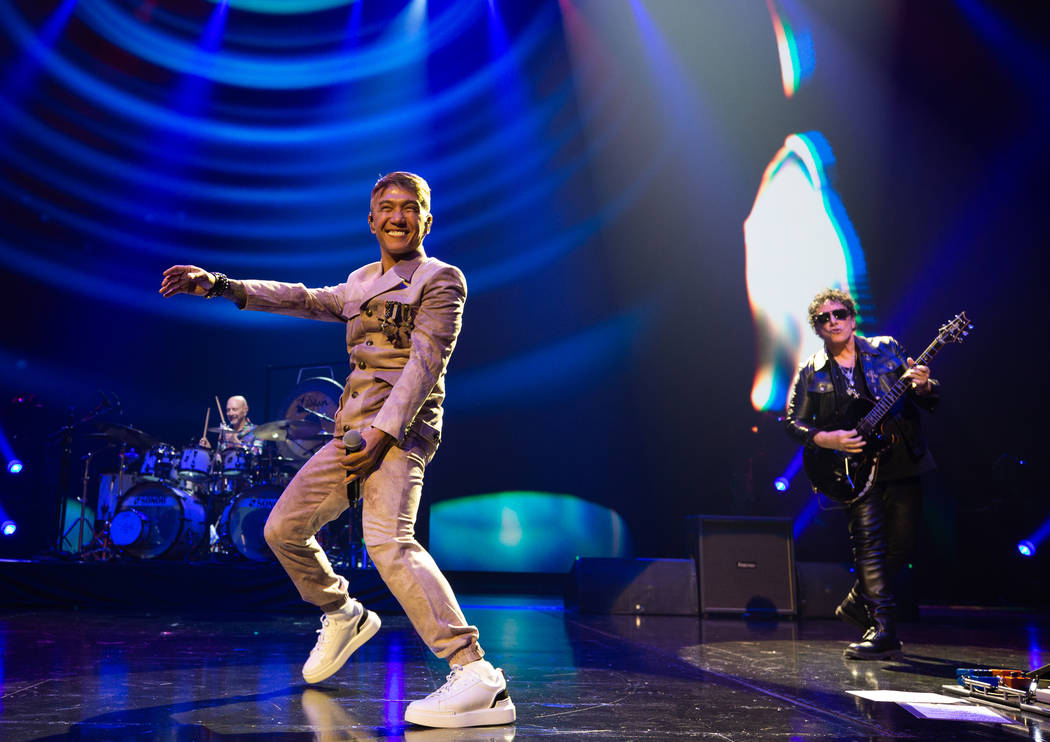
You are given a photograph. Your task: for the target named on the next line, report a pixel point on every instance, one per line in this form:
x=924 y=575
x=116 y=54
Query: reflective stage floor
x=169 y=676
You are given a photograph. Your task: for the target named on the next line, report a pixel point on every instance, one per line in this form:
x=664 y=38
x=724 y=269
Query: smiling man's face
x=399 y=222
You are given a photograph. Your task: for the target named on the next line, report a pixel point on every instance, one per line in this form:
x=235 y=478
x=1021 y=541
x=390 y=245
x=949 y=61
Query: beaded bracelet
x=222 y=283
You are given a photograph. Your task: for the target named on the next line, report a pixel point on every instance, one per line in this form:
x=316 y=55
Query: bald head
x=236 y=411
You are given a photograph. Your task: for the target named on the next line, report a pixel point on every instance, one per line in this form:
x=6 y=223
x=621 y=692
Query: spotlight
x=14 y=466
x=8 y=528
x=781 y=483
x=1026 y=548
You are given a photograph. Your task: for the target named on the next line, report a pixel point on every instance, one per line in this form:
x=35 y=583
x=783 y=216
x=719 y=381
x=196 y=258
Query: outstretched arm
x=189 y=279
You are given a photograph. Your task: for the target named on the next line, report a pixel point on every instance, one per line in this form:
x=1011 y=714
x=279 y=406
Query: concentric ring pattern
x=245 y=136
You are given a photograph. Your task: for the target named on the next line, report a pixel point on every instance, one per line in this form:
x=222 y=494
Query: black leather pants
x=882 y=530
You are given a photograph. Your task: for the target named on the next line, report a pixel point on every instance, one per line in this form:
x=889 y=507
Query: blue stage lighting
x=1026 y=548
x=8 y=528
x=14 y=466
x=781 y=483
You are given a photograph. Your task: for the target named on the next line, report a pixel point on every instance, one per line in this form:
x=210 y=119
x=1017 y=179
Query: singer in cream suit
x=402 y=317
x=401 y=327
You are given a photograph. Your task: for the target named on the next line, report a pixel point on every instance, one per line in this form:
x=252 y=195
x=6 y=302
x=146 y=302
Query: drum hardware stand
x=81 y=519
x=315 y=413
x=347 y=546
x=120 y=468
x=101 y=548
x=65 y=434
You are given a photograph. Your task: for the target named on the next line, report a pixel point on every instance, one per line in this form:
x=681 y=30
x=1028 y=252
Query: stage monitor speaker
x=633 y=586
x=745 y=565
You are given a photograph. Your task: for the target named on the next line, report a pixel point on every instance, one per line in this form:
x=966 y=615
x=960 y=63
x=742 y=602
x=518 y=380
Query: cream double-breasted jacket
x=401 y=328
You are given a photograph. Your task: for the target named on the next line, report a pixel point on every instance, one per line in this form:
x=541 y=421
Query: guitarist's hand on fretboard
x=840 y=440
x=919 y=376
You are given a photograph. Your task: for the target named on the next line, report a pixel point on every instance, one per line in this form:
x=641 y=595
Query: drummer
x=238 y=430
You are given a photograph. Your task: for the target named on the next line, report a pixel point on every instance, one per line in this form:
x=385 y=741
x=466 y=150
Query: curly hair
x=842 y=297
x=408 y=181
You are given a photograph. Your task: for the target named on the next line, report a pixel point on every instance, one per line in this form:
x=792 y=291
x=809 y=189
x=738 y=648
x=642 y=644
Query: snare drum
x=159 y=463
x=195 y=463
x=243 y=519
x=154 y=519
x=237 y=461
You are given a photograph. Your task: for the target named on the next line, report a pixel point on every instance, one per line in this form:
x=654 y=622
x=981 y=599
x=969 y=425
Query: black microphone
x=353 y=441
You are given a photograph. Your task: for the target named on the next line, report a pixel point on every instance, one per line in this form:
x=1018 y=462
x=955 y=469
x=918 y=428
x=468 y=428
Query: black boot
x=880 y=642
x=868 y=538
x=853 y=609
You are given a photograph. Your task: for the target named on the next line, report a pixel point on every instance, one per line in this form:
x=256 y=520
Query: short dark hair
x=408 y=181
x=842 y=297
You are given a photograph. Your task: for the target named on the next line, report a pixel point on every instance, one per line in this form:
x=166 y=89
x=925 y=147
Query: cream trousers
x=390 y=500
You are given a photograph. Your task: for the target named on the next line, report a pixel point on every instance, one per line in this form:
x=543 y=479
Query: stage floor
x=170 y=676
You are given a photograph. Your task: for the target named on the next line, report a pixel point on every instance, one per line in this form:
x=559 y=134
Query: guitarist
x=882 y=523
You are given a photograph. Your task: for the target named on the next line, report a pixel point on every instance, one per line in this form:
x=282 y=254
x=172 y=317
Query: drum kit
x=183 y=503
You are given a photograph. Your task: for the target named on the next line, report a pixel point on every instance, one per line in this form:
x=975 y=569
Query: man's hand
x=359 y=464
x=840 y=440
x=919 y=376
x=186 y=279
x=204 y=443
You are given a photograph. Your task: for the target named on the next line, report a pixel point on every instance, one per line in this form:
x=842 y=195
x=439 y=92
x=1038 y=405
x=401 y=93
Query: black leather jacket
x=815 y=397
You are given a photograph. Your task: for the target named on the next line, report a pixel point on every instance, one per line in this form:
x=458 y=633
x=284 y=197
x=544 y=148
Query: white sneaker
x=474 y=695
x=467 y=734
x=337 y=639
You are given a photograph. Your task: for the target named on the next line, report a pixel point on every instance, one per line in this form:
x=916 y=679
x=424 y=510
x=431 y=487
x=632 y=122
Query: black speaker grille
x=745 y=565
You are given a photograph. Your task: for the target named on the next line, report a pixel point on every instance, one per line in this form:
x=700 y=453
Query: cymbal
x=282 y=430
x=219 y=429
x=124 y=434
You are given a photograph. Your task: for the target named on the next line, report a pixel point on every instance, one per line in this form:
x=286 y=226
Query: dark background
x=592 y=165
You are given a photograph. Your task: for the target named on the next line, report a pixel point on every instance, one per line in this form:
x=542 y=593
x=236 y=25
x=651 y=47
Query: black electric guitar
x=847 y=477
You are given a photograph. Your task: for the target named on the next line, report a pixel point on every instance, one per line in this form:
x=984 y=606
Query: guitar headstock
x=955 y=330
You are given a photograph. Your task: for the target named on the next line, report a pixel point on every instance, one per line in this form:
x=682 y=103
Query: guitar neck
x=886 y=402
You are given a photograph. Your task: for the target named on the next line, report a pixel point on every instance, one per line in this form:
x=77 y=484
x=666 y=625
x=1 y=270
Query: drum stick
x=207 y=417
x=218 y=406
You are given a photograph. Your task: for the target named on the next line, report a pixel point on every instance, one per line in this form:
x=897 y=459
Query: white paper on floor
x=956 y=712
x=903 y=696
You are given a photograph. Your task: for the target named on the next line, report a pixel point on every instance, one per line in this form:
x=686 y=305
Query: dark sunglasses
x=824 y=317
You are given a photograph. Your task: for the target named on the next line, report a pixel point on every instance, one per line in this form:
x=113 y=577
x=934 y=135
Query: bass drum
x=241 y=524
x=154 y=519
